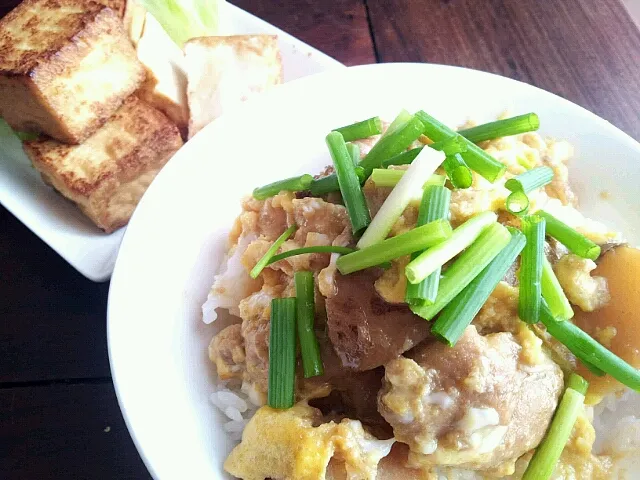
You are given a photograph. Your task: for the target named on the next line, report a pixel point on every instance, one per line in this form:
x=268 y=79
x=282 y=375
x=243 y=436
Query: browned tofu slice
x=108 y=173
x=65 y=67
x=224 y=71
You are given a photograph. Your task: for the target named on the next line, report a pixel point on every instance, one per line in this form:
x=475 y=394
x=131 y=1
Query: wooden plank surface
x=587 y=51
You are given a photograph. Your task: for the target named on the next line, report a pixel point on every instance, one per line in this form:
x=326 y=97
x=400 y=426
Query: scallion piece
x=589 y=351
x=354 y=153
x=383 y=177
x=450 y=146
x=293 y=184
x=461 y=311
x=27 y=136
x=417 y=239
x=306 y=250
x=434 y=206
x=458 y=172
x=264 y=261
x=477 y=159
x=328 y=184
x=392 y=144
x=530 y=180
x=305 y=310
x=404 y=158
x=411 y=182
x=547 y=454
x=282 y=353
x=531 y=269
x=463 y=236
x=364 y=129
x=570 y=238
x=350 y=188
x=466 y=267
x=553 y=294
x=517 y=203
x=400 y=121
x=528 y=122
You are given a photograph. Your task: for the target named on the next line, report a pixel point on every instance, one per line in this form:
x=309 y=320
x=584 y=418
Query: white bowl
x=177 y=237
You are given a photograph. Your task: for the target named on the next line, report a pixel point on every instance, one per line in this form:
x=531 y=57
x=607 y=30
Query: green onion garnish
x=411 y=182
x=530 y=180
x=27 y=136
x=305 y=309
x=293 y=184
x=449 y=146
x=531 y=269
x=305 y=250
x=349 y=183
x=458 y=171
x=364 y=129
x=354 y=153
x=392 y=144
x=329 y=183
x=544 y=460
x=476 y=158
x=400 y=121
x=570 y=238
x=517 y=203
x=461 y=311
x=553 y=294
x=264 y=261
x=404 y=158
x=434 y=206
x=589 y=351
x=467 y=267
x=390 y=178
x=282 y=353
x=463 y=236
x=417 y=239
x=528 y=122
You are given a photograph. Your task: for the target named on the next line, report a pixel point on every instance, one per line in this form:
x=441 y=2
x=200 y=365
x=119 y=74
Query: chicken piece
x=255 y=311
x=583 y=290
x=107 y=175
x=65 y=67
x=365 y=331
x=226 y=350
x=476 y=405
x=222 y=72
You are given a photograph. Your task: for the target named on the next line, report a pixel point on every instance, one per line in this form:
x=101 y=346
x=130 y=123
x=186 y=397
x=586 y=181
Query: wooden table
x=59 y=417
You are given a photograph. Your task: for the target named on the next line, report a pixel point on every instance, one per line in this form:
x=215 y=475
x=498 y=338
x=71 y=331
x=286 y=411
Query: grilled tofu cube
x=65 y=67
x=224 y=71
x=108 y=173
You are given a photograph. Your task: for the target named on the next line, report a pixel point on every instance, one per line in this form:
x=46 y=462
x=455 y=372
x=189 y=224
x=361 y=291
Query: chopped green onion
x=282 y=353
x=306 y=250
x=417 y=239
x=589 y=351
x=458 y=171
x=27 y=136
x=390 y=178
x=525 y=162
x=349 y=184
x=264 y=261
x=305 y=309
x=531 y=269
x=449 y=146
x=577 y=383
x=530 y=180
x=354 y=153
x=364 y=129
x=528 y=122
x=461 y=311
x=553 y=294
x=412 y=181
x=329 y=183
x=434 y=206
x=517 y=203
x=293 y=184
x=392 y=144
x=570 y=238
x=463 y=236
x=476 y=158
x=400 y=121
x=467 y=267
x=404 y=158
x=544 y=460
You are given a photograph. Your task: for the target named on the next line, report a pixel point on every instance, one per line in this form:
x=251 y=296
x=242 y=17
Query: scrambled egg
x=583 y=290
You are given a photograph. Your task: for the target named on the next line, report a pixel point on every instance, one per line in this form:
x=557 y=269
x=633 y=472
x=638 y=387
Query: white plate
x=157 y=342
x=59 y=223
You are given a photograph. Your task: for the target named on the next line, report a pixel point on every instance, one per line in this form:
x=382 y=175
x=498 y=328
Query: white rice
x=235 y=402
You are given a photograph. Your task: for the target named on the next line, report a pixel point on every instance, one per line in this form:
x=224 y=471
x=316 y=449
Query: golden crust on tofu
x=65 y=67
x=224 y=71
x=108 y=173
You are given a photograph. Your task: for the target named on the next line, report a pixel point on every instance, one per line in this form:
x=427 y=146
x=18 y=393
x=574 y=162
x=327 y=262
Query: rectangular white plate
x=59 y=223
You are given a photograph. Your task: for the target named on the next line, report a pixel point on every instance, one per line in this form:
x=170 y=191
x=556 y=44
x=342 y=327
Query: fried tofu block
x=108 y=173
x=65 y=67
x=224 y=71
